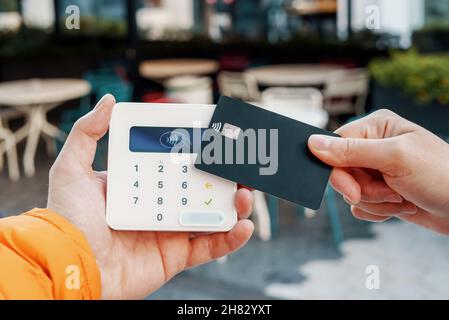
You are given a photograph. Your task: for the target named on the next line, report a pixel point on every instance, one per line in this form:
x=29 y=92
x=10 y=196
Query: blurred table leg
x=263 y=215
x=37 y=125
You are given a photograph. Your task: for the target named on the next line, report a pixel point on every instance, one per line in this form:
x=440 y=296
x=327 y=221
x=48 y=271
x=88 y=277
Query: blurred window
x=10 y=19
x=38 y=14
x=99 y=17
x=165 y=19
x=437 y=14
x=221 y=20
x=396 y=19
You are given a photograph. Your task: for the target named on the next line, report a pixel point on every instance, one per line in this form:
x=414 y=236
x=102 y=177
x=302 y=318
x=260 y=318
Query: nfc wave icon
x=172 y=138
x=217 y=126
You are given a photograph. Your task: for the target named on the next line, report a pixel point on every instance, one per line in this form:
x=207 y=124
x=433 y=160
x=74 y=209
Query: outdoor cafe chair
x=8 y=144
x=189 y=89
x=96 y=81
x=122 y=91
x=102 y=81
x=345 y=92
x=294 y=97
x=293 y=102
x=238 y=85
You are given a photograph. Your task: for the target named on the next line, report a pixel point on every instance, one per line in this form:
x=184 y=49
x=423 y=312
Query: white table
x=35 y=98
x=313 y=116
x=163 y=69
x=297 y=75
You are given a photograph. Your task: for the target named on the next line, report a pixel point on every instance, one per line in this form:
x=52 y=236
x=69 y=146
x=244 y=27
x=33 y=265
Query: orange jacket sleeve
x=43 y=256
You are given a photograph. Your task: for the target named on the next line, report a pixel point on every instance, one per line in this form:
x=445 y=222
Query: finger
x=345 y=184
x=366 y=216
x=243 y=202
x=81 y=143
x=427 y=220
x=353 y=152
x=367 y=142
x=374 y=191
x=241 y=186
x=379 y=192
x=357 y=185
x=377 y=125
x=102 y=176
x=387 y=209
x=212 y=246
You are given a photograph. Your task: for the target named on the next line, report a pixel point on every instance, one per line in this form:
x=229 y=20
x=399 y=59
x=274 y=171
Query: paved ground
x=412 y=263
x=301 y=262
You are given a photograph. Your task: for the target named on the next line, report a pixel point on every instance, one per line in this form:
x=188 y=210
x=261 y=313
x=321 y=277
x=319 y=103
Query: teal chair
x=96 y=82
x=273 y=209
x=101 y=81
x=331 y=209
x=334 y=217
x=122 y=92
x=331 y=206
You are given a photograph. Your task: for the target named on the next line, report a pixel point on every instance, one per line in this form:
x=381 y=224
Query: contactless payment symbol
x=173 y=138
x=217 y=126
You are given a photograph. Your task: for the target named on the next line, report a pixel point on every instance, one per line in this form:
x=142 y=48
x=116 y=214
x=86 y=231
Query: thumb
x=81 y=144
x=352 y=152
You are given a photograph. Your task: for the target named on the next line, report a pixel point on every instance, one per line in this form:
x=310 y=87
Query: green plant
x=424 y=77
x=97 y=27
x=22 y=42
x=437 y=26
x=8 y=5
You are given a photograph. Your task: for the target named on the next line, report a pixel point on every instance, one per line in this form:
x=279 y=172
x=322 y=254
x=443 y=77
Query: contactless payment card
x=265 y=151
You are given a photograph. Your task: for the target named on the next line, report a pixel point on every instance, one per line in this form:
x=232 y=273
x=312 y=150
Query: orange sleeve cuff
x=45 y=257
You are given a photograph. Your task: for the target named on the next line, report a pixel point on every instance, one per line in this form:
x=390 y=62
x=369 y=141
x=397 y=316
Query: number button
x=160 y=217
x=184 y=185
x=135 y=185
x=184 y=169
x=160 y=168
x=160 y=201
x=184 y=201
x=160 y=184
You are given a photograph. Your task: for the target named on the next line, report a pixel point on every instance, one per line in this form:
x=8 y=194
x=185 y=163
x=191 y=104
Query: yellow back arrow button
x=208 y=185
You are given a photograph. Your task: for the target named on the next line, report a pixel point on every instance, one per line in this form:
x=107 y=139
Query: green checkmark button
x=208 y=202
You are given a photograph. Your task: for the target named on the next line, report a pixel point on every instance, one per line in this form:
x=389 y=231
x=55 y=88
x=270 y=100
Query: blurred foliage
x=98 y=27
x=424 y=77
x=106 y=39
x=436 y=26
x=34 y=43
x=8 y=5
x=26 y=40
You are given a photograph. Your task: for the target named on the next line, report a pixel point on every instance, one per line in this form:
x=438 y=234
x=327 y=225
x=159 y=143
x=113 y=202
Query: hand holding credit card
x=265 y=151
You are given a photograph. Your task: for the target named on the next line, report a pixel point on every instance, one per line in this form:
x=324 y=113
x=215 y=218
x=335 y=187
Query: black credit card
x=265 y=151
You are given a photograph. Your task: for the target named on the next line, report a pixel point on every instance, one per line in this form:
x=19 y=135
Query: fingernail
x=349 y=201
x=395 y=198
x=409 y=208
x=99 y=103
x=319 y=142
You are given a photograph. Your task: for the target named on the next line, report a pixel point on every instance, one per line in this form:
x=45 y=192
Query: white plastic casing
x=192 y=201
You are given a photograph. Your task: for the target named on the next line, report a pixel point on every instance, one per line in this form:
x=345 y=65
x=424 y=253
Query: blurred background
x=324 y=62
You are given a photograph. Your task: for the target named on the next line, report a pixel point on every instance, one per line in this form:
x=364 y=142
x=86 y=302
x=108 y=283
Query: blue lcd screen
x=163 y=139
